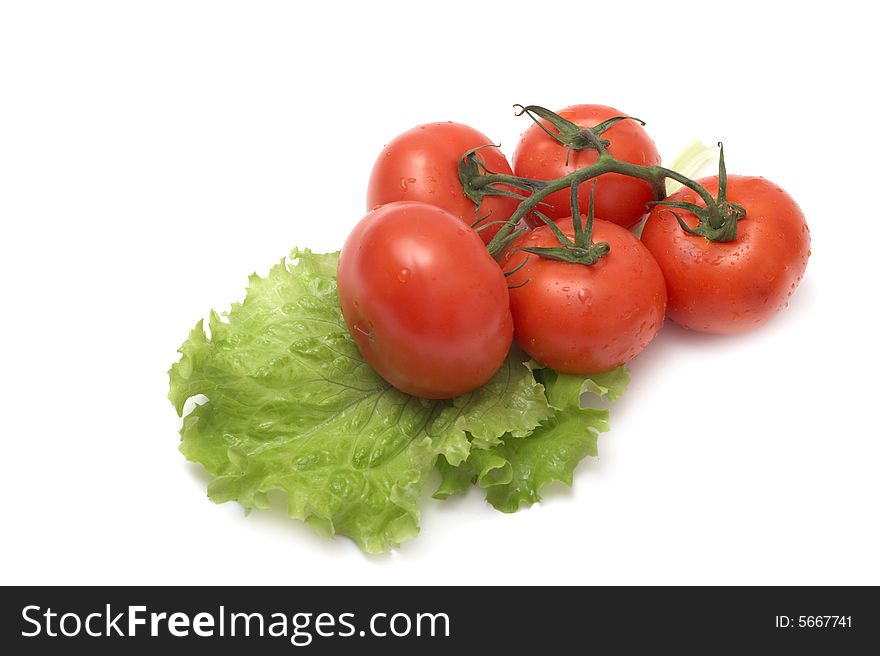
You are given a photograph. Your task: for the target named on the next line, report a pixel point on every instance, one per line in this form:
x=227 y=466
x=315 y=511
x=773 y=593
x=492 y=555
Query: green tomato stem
x=718 y=218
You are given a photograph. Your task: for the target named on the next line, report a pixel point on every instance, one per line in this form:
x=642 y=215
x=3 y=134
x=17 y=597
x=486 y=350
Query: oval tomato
x=422 y=164
x=734 y=286
x=424 y=300
x=585 y=319
x=618 y=198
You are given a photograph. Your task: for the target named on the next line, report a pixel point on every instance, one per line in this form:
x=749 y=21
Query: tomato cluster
x=434 y=310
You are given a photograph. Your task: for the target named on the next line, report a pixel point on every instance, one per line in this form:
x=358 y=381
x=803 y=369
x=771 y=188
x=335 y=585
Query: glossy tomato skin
x=424 y=300
x=422 y=164
x=618 y=198
x=735 y=286
x=581 y=319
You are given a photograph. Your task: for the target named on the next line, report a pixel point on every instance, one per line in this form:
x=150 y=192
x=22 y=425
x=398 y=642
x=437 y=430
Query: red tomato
x=424 y=300
x=618 y=198
x=735 y=286
x=422 y=164
x=585 y=319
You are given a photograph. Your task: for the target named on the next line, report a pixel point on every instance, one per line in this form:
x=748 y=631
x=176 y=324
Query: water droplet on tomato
x=403 y=275
x=584 y=295
x=566 y=289
x=403 y=183
x=410 y=180
x=366 y=329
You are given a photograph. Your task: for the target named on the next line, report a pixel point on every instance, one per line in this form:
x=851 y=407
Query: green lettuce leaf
x=453 y=480
x=292 y=406
x=514 y=471
x=695 y=160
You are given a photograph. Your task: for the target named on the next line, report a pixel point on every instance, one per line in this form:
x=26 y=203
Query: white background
x=153 y=154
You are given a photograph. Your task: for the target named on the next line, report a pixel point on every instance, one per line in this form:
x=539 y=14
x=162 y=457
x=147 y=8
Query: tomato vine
x=718 y=217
